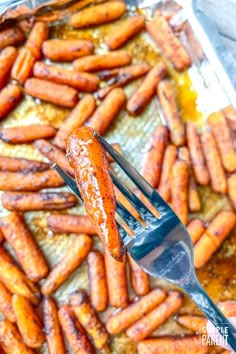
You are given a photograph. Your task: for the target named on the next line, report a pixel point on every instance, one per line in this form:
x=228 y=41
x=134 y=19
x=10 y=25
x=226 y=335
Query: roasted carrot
x=224 y=143
x=124 y=32
x=173 y=345
x=66 y=50
x=89 y=320
x=4 y=254
x=102 y=61
x=9 y=97
x=98 y=14
x=73 y=257
x=217 y=175
x=139 y=279
x=218 y=229
x=169 y=158
x=26 y=249
x=228 y=307
x=6 y=303
x=54 y=154
x=116 y=281
x=17 y=164
x=230 y=115
x=28 y=322
x=107 y=110
x=232 y=189
x=23 y=66
x=26 y=134
x=27 y=201
x=179 y=189
x=37 y=36
x=74 y=332
x=142 y=96
x=11 y=36
x=14 y=181
x=7 y=59
x=145 y=326
x=161 y=32
x=52 y=327
x=60 y=95
x=154 y=156
x=196 y=229
x=78 y=224
x=77 y=117
x=97 y=281
x=80 y=81
x=10 y=339
x=194 y=323
x=196 y=155
x=168 y=103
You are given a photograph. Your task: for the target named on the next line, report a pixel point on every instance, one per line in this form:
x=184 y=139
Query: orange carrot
x=196 y=229
x=37 y=36
x=232 y=189
x=7 y=59
x=6 y=303
x=23 y=66
x=228 y=307
x=17 y=164
x=79 y=224
x=194 y=323
x=169 y=158
x=9 y=97
x=139 y=279
x=26 y=134
x=11 y=36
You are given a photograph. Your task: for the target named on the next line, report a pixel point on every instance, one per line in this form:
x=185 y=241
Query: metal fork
x=163 y=248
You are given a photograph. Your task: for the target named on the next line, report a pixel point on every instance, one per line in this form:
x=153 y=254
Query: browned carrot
x=9 y=97
x=102 y=61
x=54 y=154
x=196 y=229
x=228 y=307
x=13 y=181
x=139 y=279
x=74 y=332
x=26 y=201
x=7 y=59
x=10 y=339
x=52 y=327
x=73 y=257
x=89 y=320
x=197 y=158
x=232 y=189
x=144 y=327
x=97 y=281
x=223 y=140
x=67 y=49
x=116 y=281
x=194 y=323
x=216 y=232
x=37 y=36
x=173 y=345
x=217 y=175
x=80 y=81
x=161 y=32
x=23 y=66
x=27 y=251
x=60 y=95
x=4 y=254
x=28 y=322
x=154 y=157
x=77 y=117
x=142 y=96
x=107 y=110
x=6 y=303
x=124 y=32
x=98 y=14
x=79 y=224
x=17 y=164
x=168 y=103
x=169 y=158
x=26 y=134
x=11 y=36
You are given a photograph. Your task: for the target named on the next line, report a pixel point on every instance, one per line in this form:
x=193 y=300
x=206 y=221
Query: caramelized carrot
x=169 y=158
x=17 y=164
x=78 y=224
x=26 y=249
x=145 y=326
x=26 y=134
x=23 y=66
x=194 y=323
x=139 y=279
x=6 y=303
x=87 y=155
x=11 y=36
x=7 y=59
x=97 y=281
x=196 y=229
x=9 y=97
x=73 y=257
x=98 y=14
x=228 y=307
x=142 y=96
x=77 y=117
x=80 y=81
x=232 y=189
x=60 y=95
x=37 y=36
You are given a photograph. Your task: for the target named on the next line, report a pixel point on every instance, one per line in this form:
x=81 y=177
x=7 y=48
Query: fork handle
x=211 y=311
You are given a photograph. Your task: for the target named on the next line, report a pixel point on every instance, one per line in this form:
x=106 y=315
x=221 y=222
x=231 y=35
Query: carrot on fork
x=17 y=164
x=68 y=223
x=169 y=158
x=9 y=97
x=11 y=36
x=7 y=58
x=26 y=134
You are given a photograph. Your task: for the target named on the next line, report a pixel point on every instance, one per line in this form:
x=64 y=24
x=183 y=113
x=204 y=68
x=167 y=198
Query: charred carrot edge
x=6 y=303
x=28 y=322
x=16 y=164
x=9 y=97
x=89 y=320
x=37 y=36
x=196 y=229
x=169 y=158
x=121 y=320
x=145 y=326
x=139 y=279
x=52 y=327
x=228 y=307
x=97 y=281
x=23 y=66
x=7 y=59
x=26 y=134
x=11 y=36
x=120 y=75
x=73 y=257
x=194 y=323
x=79 y=224
x=232 y=189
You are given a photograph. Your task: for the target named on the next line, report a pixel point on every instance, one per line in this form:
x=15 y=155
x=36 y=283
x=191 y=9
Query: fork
x=162 y=248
